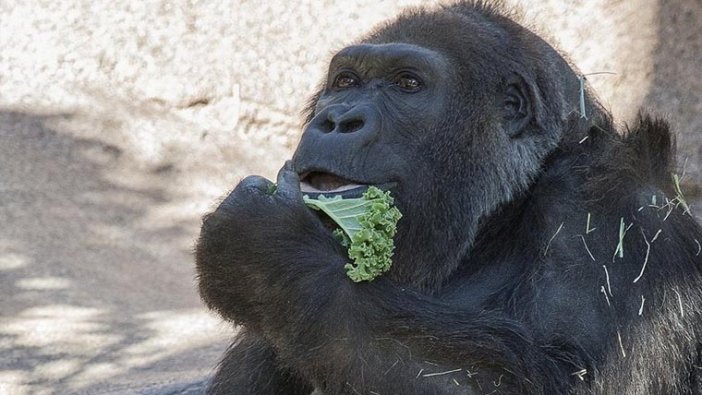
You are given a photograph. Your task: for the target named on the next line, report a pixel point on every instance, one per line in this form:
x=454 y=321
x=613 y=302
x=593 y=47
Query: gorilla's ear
x=516 y=106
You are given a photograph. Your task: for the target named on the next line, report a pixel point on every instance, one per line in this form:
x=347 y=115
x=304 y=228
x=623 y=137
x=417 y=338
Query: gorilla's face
x=380 y=105
x=411 y=120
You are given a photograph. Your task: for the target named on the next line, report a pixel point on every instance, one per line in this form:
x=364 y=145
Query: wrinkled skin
x=473 y=123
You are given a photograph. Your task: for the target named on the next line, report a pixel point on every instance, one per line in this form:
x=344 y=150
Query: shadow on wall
x=677 y=83
x=91 y=289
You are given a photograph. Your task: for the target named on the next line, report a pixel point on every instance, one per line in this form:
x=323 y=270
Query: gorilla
x=543 y=249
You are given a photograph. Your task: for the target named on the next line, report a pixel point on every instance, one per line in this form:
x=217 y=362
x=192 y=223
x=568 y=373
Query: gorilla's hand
x=258 y=239
x=260 y=213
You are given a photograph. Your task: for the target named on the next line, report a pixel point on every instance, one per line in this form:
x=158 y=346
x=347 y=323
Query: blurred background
x=123 y=122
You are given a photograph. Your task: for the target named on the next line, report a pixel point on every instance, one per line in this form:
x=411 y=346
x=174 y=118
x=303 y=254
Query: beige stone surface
x=122 y=122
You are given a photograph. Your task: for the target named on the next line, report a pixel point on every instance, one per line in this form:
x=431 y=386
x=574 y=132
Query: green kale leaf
x=367 y=226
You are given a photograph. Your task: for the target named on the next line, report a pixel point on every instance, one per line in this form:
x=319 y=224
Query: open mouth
x=317 y=183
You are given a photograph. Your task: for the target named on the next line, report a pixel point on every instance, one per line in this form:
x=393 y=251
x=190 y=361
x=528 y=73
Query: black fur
x=511 y=274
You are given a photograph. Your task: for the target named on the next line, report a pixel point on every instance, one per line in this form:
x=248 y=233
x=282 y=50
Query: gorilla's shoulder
x=641 y=156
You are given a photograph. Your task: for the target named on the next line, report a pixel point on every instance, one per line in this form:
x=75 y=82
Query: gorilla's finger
x=250 y=186
x=289 y=182
x=257 y=183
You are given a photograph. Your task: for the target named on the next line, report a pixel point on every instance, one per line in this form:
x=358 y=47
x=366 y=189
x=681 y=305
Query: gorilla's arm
x=250 y=367
x=267 y=262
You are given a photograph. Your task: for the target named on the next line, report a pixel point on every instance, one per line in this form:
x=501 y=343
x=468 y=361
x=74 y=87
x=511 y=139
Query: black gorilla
x=540 y=252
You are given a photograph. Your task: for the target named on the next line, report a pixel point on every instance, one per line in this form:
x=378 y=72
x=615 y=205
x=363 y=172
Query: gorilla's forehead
x=389 y=56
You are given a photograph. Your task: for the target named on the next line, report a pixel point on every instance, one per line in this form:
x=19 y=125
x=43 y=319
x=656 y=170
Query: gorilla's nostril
x=327 y=126
x=351 y=126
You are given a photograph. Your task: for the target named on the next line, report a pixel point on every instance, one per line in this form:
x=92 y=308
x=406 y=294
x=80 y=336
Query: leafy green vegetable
x=367 y=226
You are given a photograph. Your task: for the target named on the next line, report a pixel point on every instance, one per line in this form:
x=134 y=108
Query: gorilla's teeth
x=307 y=188
x=325 y=183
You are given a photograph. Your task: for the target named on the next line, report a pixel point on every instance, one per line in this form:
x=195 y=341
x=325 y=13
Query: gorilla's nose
x=345 y=122
x=344 y=119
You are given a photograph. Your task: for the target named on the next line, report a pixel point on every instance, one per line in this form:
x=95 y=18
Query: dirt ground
x=121 y=123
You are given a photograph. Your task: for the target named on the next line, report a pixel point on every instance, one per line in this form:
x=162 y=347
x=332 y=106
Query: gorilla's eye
x=345 y=80
x=511 y=104
x=408 y=82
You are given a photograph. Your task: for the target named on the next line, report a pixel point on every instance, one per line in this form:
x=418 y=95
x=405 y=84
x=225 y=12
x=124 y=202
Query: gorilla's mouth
x=317 y=183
